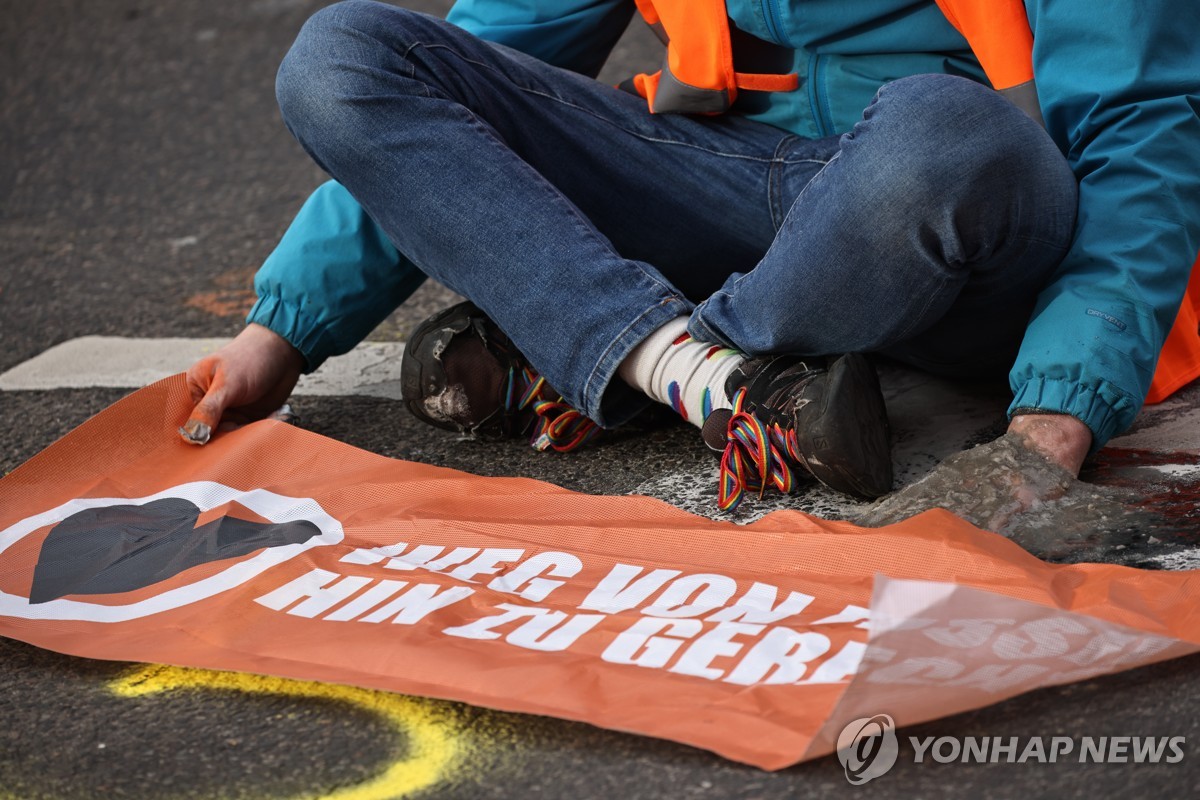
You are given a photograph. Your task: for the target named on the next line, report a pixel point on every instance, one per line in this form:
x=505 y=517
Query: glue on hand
x=198 y=433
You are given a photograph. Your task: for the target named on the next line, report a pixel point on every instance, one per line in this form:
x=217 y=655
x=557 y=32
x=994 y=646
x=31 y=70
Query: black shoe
x=826 y=415
x=462 y=373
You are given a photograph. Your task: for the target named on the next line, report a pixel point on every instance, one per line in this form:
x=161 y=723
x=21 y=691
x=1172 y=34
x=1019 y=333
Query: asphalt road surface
x=145 y=175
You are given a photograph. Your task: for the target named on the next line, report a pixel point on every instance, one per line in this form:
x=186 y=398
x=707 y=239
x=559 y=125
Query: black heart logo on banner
x=121 y=548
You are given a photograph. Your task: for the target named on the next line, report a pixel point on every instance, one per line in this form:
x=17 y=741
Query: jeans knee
x=971 y=129
x=940 y=143
x=324 y=64
x=930 y=129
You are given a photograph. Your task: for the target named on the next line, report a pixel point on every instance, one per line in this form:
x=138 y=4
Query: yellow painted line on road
x=434 y=740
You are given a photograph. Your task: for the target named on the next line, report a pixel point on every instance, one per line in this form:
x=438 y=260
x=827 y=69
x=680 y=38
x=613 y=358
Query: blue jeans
x=580 y=223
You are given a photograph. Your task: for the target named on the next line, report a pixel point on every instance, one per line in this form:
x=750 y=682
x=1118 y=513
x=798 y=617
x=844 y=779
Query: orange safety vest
x=698 y=76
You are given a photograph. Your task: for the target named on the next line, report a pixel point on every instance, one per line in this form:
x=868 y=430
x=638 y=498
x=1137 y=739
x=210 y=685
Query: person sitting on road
x=848 y=184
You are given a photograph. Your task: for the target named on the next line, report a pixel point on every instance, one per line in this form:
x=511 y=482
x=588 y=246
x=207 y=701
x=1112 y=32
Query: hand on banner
x=246 y=380
x=1024 y=486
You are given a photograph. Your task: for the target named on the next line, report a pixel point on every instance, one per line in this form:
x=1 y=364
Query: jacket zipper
x=774 y=22
x=816 y=94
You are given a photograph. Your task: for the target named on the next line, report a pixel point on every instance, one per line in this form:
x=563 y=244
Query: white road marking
x=371 y=369
x=1180 y=472
x=1180 y=559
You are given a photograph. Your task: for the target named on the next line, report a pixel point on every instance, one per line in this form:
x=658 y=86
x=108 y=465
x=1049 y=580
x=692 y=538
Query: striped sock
x=673 y=368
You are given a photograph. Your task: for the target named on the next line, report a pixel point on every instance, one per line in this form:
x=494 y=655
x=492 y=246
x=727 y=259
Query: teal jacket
x=1119 y=84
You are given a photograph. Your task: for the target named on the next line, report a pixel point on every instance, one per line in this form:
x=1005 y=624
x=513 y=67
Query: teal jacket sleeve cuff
x=1103 y=408
x=333 y=277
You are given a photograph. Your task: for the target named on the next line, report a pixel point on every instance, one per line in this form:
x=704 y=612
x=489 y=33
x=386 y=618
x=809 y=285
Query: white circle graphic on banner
x=205 y=495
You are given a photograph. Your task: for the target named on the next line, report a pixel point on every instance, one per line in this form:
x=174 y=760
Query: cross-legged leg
x=927 y=237
x=554 y=202
x=584 y=226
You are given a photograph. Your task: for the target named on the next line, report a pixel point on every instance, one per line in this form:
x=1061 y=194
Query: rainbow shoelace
x=559 y=426
x=756 y=456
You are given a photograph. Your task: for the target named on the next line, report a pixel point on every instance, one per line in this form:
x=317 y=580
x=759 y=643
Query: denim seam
x=412 y=69
x=930 y=297
x=644 y=137
x=817 y=177
x=581 y=223
x=728 y=292
x=588 y=111
x=711 y=335
x=585 y=228
x=775 y=182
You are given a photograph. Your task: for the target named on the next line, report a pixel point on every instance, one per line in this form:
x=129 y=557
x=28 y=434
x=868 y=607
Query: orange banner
x=275 y=550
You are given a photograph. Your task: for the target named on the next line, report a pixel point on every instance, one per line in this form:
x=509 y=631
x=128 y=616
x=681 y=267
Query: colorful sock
x=673 y=368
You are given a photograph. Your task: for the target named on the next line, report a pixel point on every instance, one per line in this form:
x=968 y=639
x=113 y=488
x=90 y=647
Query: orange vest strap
x=698 y=75
x=758 y=82
x=998 y=32
x=647 y=86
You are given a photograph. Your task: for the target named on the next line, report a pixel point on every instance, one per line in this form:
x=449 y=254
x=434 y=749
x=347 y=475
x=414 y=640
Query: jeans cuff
x=612 y=402
x=702 y=332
